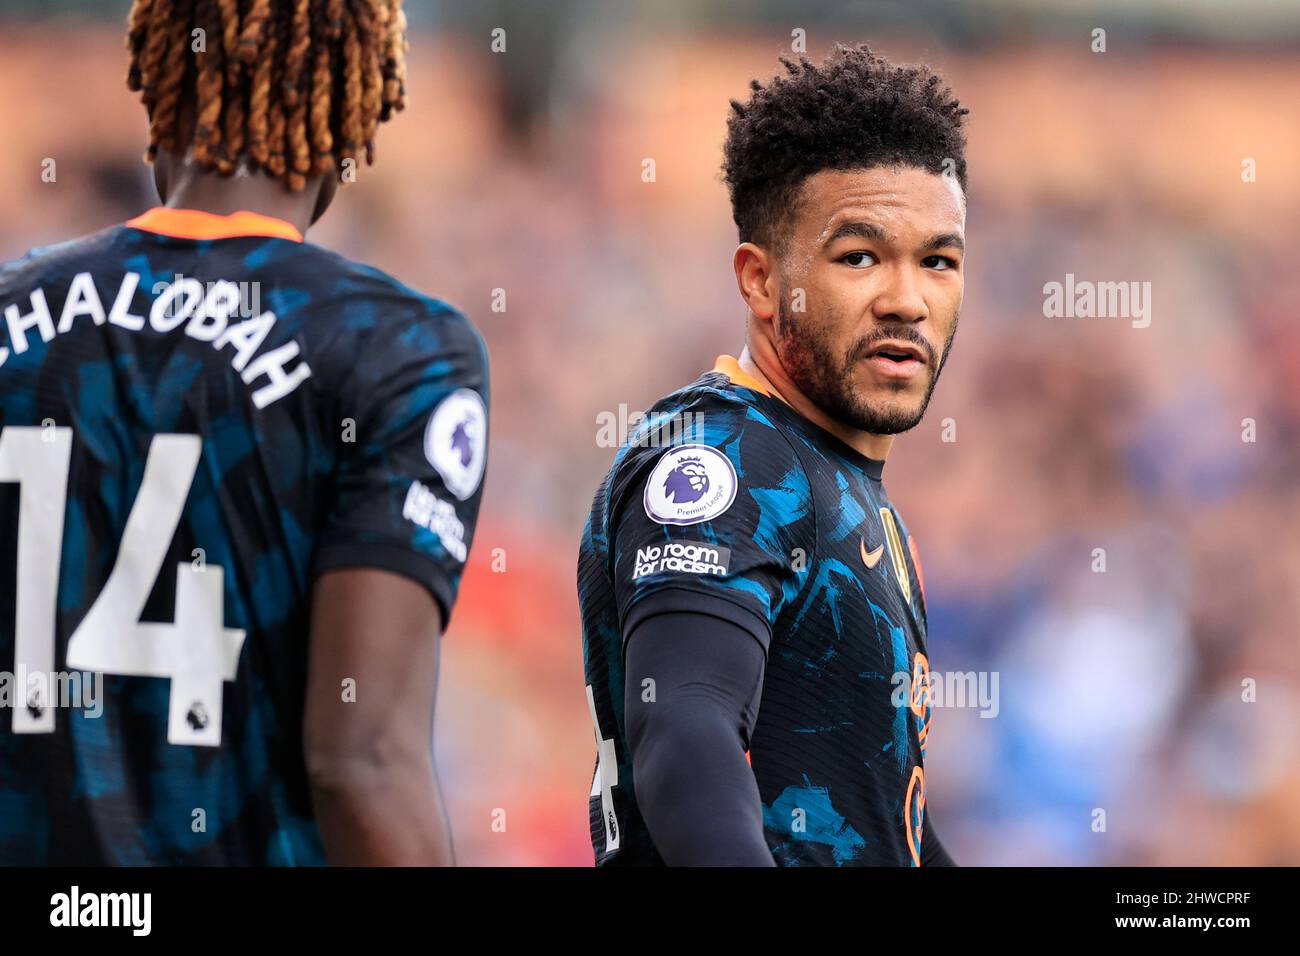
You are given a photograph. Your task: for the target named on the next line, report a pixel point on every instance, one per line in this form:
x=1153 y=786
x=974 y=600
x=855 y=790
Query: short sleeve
x=407 y=486
x=721 y=526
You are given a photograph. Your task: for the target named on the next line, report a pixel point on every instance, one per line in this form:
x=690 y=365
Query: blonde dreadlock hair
x=293 y=88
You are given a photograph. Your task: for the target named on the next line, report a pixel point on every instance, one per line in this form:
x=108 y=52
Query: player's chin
x=875 y=390
x=889 y=411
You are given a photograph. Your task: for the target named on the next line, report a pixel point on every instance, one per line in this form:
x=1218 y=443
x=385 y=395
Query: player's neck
x=761 y=362
x=258 y=193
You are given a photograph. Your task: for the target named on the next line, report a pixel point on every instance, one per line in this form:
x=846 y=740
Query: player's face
x=871 y=289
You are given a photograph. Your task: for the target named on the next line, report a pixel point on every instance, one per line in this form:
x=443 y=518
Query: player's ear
x=756 y=279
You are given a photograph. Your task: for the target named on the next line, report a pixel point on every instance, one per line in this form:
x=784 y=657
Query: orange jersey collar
x=194 y=224
x=729 y=367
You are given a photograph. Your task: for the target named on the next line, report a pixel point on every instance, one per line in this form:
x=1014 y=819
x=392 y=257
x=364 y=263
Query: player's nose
x=901 y=299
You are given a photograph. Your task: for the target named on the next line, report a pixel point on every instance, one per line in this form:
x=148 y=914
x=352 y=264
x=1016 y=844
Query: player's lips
x=894 y=359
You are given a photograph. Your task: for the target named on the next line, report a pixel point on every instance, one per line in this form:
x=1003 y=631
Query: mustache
x=901 y=334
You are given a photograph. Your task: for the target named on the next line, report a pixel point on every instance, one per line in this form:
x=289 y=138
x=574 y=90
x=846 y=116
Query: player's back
x=197 y=415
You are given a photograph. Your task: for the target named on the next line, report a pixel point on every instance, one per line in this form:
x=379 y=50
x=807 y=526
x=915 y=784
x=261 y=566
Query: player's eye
x=939 y=263
x=858 y=259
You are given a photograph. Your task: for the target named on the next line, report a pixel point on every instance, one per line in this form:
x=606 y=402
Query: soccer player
x=245 y=473
x=754 y=619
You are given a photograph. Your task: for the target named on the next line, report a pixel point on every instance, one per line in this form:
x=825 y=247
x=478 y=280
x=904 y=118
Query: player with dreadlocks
x=294 y=89
x=244 y=473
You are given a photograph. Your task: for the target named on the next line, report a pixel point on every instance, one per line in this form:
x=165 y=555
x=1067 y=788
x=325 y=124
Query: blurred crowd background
x=1164 y=690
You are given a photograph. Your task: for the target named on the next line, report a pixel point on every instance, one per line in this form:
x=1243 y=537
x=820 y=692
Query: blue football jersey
x=727 y=502
x=200 y=414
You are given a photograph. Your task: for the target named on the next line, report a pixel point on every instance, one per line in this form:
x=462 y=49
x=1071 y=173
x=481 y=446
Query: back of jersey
x=198 y=415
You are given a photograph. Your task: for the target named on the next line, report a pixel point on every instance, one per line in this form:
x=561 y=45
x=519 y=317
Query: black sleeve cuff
x=686 y=601
x=389 y=557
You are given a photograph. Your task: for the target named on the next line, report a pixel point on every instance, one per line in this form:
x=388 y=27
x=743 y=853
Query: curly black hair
x=855 y=110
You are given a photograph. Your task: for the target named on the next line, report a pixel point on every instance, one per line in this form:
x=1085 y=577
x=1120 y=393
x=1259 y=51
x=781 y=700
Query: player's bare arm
x=368 y=726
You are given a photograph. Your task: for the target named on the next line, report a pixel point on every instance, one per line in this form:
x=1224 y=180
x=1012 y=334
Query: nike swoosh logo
x=870 y=558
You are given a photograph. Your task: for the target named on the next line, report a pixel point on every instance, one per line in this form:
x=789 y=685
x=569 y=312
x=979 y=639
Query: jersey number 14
x=196 y=651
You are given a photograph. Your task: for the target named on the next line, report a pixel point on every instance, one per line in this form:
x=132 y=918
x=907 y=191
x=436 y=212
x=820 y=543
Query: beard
x=825 y=376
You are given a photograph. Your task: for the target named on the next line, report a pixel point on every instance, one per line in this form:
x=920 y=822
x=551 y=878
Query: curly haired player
x=754 y=619
x=245 y=471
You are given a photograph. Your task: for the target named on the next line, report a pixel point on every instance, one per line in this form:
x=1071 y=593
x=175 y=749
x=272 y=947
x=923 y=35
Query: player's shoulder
x=38 y=264
x=710 y=411
x=383 y=301
x=732 y=437
x=376 y=320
